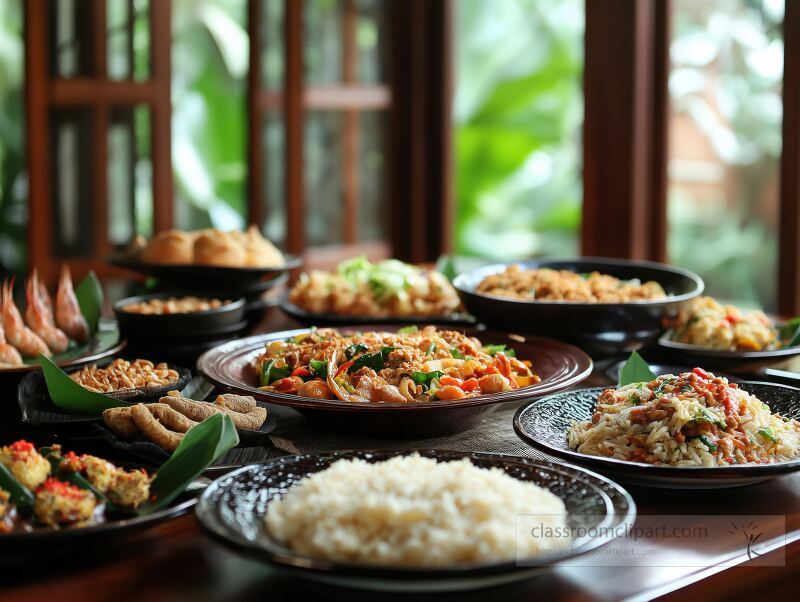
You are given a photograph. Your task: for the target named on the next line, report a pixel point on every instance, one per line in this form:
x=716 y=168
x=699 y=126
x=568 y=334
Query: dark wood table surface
x=177 y=561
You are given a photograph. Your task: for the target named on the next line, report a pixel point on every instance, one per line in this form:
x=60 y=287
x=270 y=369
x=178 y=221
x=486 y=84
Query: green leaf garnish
x=371 y=360
x=456 y=353
x=319 y=368
x=203 y=445
x=425 y=378
x=408 y=330
x=90 y=299
x=768 y=434
x=21 y=496
x=710 y=417
x=70 y=396
x=708 y=443
x=431 y=349
x=635 y=370
x=495 y=349
x=353 y=350
x=270 y=373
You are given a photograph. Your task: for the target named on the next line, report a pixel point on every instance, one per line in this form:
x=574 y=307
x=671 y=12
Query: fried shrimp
x=68 y=313
x=27 y=342
x=40 y=318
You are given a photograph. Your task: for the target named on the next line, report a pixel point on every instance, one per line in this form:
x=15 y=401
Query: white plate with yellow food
x=691 y=430
x=728 y=337
x=386 y=520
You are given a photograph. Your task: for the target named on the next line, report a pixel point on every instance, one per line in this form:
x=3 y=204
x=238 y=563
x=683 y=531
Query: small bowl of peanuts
x=179 y=318
x=137 y=379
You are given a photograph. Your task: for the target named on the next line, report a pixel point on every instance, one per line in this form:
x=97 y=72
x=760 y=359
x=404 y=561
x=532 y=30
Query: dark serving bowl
x=330 y=319
x=37 y=408
x=599 y=328
x=222 y=278
x=559 y=365
x=232 y=510
x=736 y=361
x=543 y=424
x=181 y=327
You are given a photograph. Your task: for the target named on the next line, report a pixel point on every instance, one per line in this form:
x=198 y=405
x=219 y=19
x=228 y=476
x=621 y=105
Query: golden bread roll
x=169 y=247
x=260 y=252
x=214 y=247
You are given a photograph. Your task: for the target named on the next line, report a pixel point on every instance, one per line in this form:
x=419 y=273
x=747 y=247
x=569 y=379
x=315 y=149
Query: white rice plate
x=413 y=511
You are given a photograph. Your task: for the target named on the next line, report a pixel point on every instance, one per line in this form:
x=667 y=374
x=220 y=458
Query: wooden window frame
x=99 y=95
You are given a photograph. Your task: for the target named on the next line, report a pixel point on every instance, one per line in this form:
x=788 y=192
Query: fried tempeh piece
x=121 y=422
x=200 y=410
x=238 y=403
x=154 y=430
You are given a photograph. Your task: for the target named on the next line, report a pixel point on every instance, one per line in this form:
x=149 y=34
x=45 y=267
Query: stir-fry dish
x=411 y=365
x=706 y=322
x=387 y=288
x=544 y=284
x=690 y=420
x=47 y=328
x=47 y=488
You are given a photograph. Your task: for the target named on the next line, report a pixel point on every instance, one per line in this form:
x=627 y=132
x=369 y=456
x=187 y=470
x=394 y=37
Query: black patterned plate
x=232 y=510
x=544 y=423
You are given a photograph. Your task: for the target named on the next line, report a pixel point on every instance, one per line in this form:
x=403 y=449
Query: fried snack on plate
x=27 y=465
x=120 y=421
x=217 y=248
x=155 y=431
x=57 y=503
x=200 y=410
x=8 y=512
x=173 y=420
x=130 y=488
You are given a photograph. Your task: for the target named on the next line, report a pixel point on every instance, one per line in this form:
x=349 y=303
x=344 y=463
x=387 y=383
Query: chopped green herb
x=456 y=353
x=432 y=349
x=706 y=415
x=425 y=378
x=495 y=349
x=352 y=350
x=270 y=373
x=319 y=368
x=371 y=360
x=768 y=434
x=708 y=443
x=408 y=330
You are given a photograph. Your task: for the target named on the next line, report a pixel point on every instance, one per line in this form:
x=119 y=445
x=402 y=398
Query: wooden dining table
x=176 y=560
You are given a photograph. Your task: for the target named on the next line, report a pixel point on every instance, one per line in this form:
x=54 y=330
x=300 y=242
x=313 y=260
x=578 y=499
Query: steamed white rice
x=413 y=511
x=693 y=419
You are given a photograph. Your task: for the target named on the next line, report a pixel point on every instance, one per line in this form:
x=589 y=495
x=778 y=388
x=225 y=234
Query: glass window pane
x=373 y=203
x=518 y=115
x=371 y=41
x=323 y=41
x=324 y=211
x=725 y=144
x=210 y=60
x=273 y=173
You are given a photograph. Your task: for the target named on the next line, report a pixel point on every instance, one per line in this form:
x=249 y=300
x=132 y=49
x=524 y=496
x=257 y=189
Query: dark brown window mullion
x=255 y=148
x=294 y=119
x=624 y=137
x=99 y=148
x=161 y=112
x=350 y=126
x=789 y=228
x=37 y=122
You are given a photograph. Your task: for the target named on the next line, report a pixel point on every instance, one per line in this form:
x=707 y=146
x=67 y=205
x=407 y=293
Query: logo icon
x=751 y=533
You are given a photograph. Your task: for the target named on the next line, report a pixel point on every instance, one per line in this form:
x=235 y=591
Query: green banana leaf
x=90 y=299
x=203 y=445
x=635 y=370
x=70 y=396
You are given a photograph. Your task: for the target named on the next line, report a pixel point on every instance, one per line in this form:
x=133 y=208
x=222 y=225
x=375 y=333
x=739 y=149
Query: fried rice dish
x=387 y=288
x=704 y=321
x=544 y=284
x=694 y=419
x=408 y=366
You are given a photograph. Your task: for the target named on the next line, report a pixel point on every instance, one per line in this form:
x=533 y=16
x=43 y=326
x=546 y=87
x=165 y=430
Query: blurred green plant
x=13 y=183
x=518 y=114
x=727 y=71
